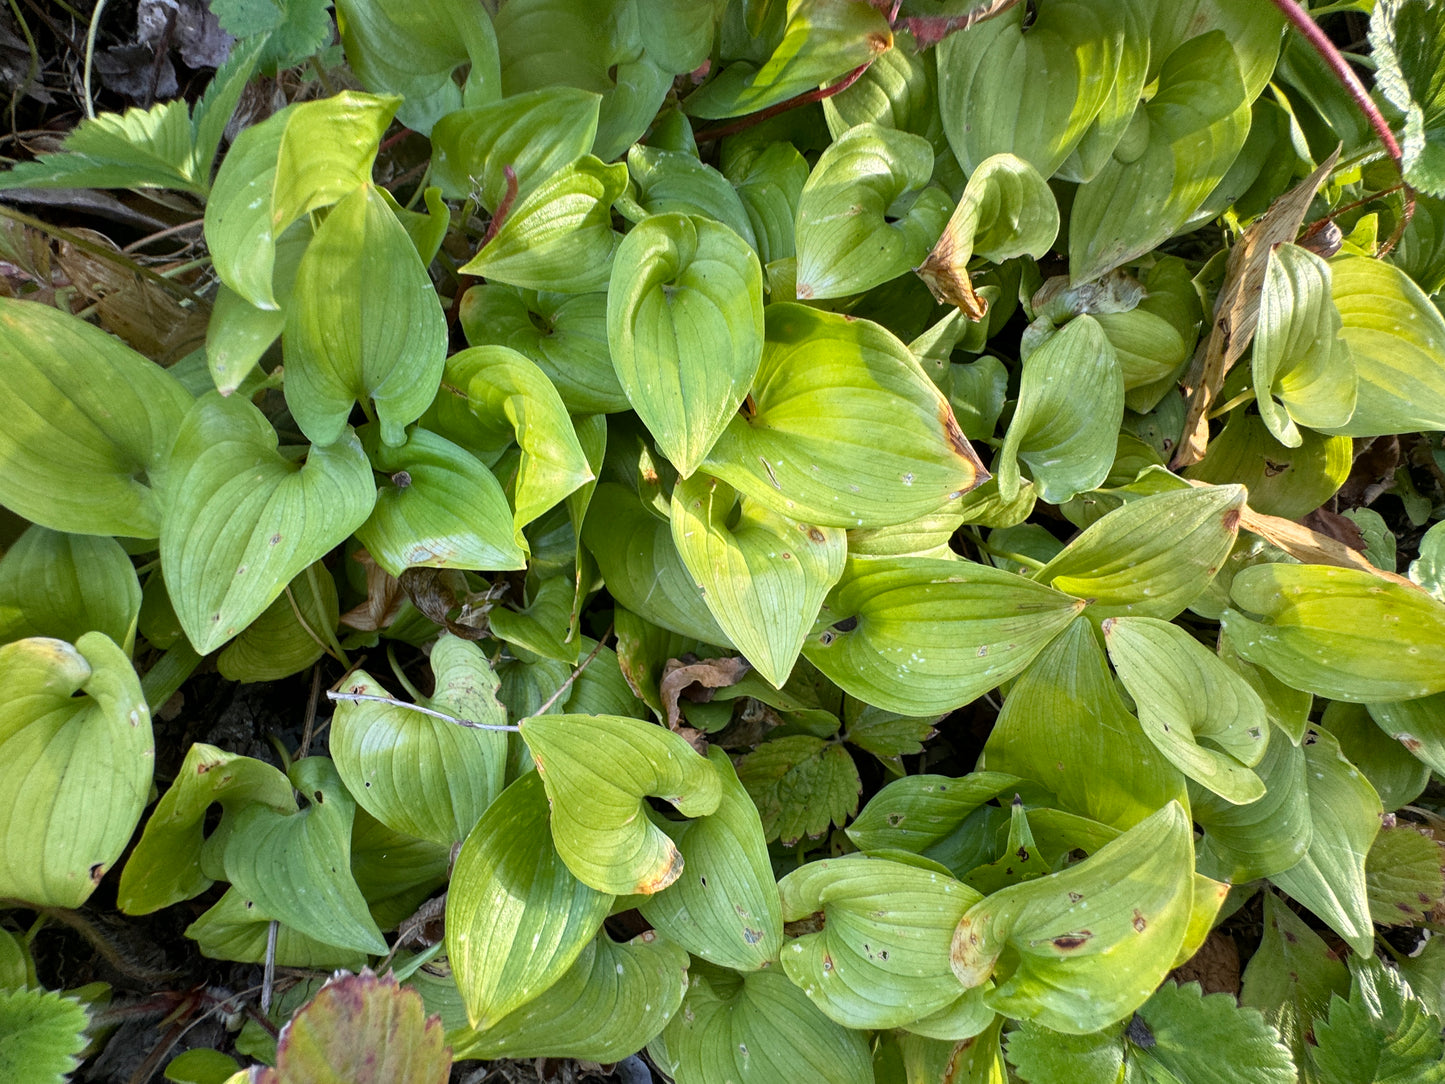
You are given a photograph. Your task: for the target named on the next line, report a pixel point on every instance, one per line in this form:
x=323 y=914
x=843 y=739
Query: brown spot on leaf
x=1140 y=925
x=816 y=535
x=97 y=871
x=1231 y=520
x=664 y=875
x=1075 y=897
x=1067 y=942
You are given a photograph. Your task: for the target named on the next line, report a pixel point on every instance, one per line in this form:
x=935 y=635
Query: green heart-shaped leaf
x=763 y=577
x=846 y=429
x=564 y=334
x=1064 y=726
x=598 y=770
x=439 y=509
x=535 y=133
x=730 y=1023
x=676 y=182
x=916 y=811
x=1151 y=557
x=770 y=186
x=1285 y=482
x=1325 y=629
x=517 y=919
x=1183 y=694
x=1298 y=357
x=65 y=585
x=560 y=237
x=91 y=423
x=1396 y=338
x=852 y=230
x=294 y=866
x=920 y=635
x=1030 y=92
x=242 y=520
x=236 y=928
x=1345 y=812
x=414 y=51
x=77 y=745
x=685 y=323
x=725 y=906
x=301 y=159
x=174 y=859
x=1071 y=400
x=881 y=957
x=1078 y=950
x=1190 y=131
x=363 y=324
x=417 y=774
x=609 y=1003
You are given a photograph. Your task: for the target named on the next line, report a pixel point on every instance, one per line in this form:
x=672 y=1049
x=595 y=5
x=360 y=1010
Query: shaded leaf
x=1382 y=1032
x=801 y=785
x=64 y=585
x=290 y=634
x=42 y=1035
x=1404 y=880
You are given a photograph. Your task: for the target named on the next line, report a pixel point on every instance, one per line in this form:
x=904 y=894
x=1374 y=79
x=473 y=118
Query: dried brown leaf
x=696 y=682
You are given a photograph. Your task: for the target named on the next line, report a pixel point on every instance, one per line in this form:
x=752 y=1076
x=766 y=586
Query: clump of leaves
x=867 y=482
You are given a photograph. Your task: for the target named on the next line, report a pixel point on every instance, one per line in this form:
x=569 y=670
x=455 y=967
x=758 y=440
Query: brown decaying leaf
x=1372 y=473
x=696 y=682
x=1311 y=547
x=946 y=277
x=929 y=30
x=1333 y=525
x=1236 y=312
x=438 y=591
x=384 y=597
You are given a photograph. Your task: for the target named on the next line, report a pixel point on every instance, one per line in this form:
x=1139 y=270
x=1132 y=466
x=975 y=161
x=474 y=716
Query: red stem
x=806 y=98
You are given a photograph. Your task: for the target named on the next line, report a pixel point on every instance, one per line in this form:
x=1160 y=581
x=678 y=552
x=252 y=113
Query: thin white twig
x=575 y=673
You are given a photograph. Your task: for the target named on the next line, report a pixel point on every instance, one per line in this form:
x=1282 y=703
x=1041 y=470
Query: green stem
x=169 y=673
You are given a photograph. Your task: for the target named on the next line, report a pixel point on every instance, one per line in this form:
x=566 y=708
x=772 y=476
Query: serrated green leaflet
x=516 y=917
x=560 y=237
x=1397 y=342
x=1032 y=94
x=290 y=634
x=412 y=51
x=1081 y=949
x=417 y=774
x=724 y=908
x=78 y=743
x=881 y=958
x=822 y=41
x=1151 y=557
x=763 y=577
x=65 y=585
x=1403 y=876
x=598 y=769
x=1071 y=397
x=1383 y=1032
x=175 y=859
x=90 y=424
x=564 y=334
x=391 y=354
x=303 y=158
x=1345 y=812
x=1200 y=714
x=439 y=508
x=685 y=324
x=41 y=1036
x=473 y=147
x=242 y=521
x=864 y=215
x=1065 y=727
x=757 y=1026
x=1324 y=629
x=846 y=430
x=802 y=785
x=287 y=862
x=1189 y=134
x=615 y=998
x=1298 y=356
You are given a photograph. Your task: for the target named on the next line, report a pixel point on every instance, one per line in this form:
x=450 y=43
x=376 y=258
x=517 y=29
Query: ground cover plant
x=755 y=541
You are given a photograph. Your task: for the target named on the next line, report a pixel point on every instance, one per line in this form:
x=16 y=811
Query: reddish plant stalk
x=742 y=124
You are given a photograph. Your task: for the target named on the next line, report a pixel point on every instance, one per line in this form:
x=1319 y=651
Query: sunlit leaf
x=598 y=770
x=1383 y=1032
x=1081 y=949
x=913 y=812
x=516 y=917
x=65 y=585
x=90 y=425
x=1064 y=726
x=242 y=521
x=1242 y=842
x=685 y=323
x=918 y=635
x=846 y=430
x=363 y=324
x=76 y=740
